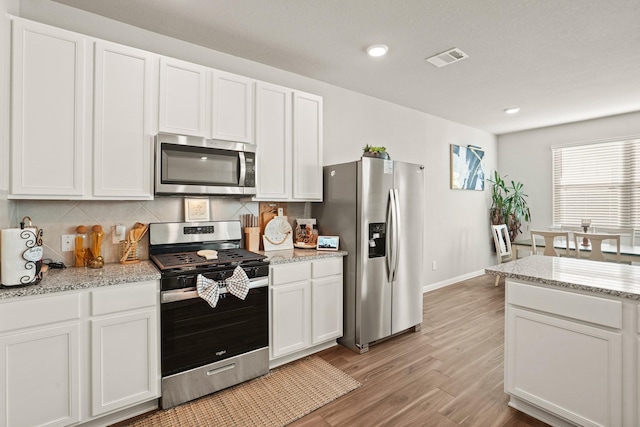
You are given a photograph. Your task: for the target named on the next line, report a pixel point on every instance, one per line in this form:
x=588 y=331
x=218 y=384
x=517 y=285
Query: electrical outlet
x=117 y=233
x=434 y=265
x=68 y=242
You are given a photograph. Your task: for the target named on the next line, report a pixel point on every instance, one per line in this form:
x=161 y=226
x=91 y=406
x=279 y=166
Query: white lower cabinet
x=291 y=306
x=41 y=377
x=124 y=346
x=564 y=355
x=54 y=346
x=306 y=307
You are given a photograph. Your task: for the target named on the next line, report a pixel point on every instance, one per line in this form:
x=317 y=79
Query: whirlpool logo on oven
x=221 y=352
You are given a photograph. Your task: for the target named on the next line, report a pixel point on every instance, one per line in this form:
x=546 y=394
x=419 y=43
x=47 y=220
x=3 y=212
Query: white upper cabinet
x=123 y=132
x=183 y=97
x=273 y=139
x=48 y=105
x=233 y=106
x=289 y=141
x=307 y=147
x=82 y=121
x=200 y=101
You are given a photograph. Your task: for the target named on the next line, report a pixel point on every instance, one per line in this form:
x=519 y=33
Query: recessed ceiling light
x=511 y=110
x=377 y=50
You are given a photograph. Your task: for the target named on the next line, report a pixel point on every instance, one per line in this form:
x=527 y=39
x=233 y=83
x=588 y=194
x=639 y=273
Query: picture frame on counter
x=196 y=209
x=328 y=243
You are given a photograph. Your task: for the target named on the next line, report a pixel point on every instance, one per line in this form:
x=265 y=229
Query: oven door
x=191 y=165
x=194 y=334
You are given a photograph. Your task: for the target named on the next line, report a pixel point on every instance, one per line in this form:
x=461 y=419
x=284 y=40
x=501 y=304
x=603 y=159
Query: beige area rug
x=276 y=399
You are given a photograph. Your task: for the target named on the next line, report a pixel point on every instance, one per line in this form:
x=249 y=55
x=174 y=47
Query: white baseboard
x=451 y=281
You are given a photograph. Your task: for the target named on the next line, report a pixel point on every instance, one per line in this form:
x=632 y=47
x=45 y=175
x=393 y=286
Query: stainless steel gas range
x=204 y=348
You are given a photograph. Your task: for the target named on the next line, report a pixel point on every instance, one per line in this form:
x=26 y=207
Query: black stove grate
x=192 y=259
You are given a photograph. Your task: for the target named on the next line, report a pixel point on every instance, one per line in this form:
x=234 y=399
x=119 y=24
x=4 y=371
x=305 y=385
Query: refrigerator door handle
x=392 y=234
x=396 y=233
x=389 y=238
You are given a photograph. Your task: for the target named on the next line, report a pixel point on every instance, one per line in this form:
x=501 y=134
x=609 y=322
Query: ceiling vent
x=448 y=57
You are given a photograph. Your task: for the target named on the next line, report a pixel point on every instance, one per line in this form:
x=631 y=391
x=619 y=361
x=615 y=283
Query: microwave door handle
x=243 y=169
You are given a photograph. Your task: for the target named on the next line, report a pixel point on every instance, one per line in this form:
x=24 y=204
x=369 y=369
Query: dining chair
x=596 y=245
x=626 y=234
x=503 y=244
x=549 y=242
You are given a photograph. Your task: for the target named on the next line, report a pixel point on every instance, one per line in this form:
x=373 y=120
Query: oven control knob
x=182 y=281
x=220 y=276
x=254 y=272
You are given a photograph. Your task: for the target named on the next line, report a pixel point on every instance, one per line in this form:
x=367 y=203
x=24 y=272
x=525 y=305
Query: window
x=599 y=181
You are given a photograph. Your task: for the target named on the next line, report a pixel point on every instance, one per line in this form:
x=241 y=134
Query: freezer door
x=373 y=309
x=407 y=287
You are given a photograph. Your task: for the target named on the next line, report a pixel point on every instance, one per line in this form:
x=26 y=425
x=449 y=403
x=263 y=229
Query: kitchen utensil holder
x=132 y=257
x=252 y=238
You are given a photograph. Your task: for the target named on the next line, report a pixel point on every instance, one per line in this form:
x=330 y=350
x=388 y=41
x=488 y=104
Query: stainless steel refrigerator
x=376 y=207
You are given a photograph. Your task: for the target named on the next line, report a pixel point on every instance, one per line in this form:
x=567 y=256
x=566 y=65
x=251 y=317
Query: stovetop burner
x=192 y=259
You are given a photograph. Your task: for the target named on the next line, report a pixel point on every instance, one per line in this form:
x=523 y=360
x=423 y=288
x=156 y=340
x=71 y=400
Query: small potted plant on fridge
x=379 y=152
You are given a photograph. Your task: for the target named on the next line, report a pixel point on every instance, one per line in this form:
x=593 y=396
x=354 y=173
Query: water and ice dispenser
x=377 y=239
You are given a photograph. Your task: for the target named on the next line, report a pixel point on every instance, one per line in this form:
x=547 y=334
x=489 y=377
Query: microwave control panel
x=250 y=175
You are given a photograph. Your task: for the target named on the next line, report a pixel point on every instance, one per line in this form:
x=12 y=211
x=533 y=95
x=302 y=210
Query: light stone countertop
x=74 y=278
x=297 y=255
x=605 y=278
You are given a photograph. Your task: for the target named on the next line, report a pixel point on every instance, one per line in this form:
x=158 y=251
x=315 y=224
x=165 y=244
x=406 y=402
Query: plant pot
x=384 y=155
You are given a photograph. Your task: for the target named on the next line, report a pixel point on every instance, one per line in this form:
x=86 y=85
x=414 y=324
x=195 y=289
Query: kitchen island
x=572 y=338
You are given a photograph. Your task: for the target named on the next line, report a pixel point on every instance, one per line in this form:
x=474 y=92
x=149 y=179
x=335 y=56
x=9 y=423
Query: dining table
x=628 y=253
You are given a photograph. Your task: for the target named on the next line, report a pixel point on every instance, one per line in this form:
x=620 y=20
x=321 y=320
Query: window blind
x=597 y=181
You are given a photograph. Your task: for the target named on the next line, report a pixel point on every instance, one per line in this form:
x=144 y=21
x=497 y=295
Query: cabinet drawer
x=326 y=267
x=289 y=273
x=599 y=311
x=129 y=297
x=25 y=313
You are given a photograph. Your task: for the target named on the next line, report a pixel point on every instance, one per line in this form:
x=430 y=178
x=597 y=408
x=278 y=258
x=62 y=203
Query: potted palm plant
x=508 y=204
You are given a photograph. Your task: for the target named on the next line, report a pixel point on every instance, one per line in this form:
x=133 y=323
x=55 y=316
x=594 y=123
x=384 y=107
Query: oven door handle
x=191 y=293
x=178 y=295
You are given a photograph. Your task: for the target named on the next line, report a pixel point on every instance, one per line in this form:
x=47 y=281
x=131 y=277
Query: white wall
x=526 y=156
x=456 y=235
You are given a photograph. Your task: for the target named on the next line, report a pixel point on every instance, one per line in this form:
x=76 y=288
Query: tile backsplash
x=56 y=218
x=62 y=217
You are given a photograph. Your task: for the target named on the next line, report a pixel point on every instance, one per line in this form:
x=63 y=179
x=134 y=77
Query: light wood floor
x=448 y=374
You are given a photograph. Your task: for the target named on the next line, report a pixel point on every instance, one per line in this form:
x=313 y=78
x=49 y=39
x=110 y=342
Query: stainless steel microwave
x=199 y=166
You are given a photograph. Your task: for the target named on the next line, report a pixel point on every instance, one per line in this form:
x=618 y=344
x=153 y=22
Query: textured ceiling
x=558 y=60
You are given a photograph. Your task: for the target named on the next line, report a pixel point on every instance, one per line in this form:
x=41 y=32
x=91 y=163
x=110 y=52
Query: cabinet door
x=48 y=106
x=183 y=97
x=326 y=309
x=307 y=147
x=290 y=317
x=273 y=138
x=123 y=136
x=568 y=368
x=40 y=377
x=232 y=107
x=124 y=360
